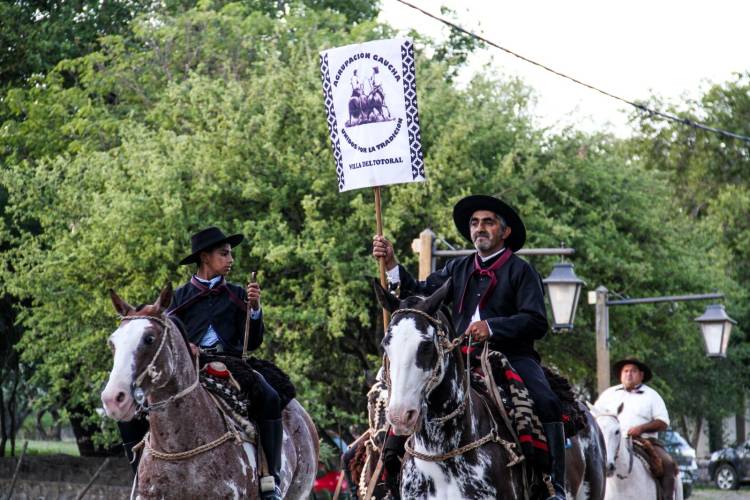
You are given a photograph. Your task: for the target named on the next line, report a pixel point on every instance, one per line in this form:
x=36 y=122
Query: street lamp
x=716 y=325
x=563 y=288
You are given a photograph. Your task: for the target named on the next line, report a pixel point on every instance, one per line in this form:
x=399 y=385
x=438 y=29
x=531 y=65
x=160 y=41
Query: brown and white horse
x=191 y=451
x=456 y=449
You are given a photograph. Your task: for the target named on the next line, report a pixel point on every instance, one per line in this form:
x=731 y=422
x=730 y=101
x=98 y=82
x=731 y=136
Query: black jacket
x=515 y=311
x=225 y=309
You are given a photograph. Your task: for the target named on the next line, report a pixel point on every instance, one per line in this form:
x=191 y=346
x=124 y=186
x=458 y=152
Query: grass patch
x=49 y=447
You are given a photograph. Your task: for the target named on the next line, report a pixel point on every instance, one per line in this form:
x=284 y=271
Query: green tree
x=711 y=175
x=215 y=116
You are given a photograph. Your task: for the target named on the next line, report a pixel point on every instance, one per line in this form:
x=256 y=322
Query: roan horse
x=456 y=450
x=628 y=476
x=191 y=451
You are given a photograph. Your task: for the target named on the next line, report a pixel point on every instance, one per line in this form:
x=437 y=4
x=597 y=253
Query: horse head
x=609 y=423
x=145 y=358
x=414 y=345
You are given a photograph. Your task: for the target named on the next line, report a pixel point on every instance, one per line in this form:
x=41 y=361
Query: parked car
x=730 y=467
x=684 y=455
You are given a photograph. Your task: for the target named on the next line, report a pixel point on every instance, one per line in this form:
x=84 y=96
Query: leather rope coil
x=491 y=437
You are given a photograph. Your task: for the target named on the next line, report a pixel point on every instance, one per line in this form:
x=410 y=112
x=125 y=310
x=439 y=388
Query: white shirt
x=395 y=277
x=640 y=406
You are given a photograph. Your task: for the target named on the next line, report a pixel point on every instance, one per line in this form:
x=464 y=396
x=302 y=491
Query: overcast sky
x=633 y=49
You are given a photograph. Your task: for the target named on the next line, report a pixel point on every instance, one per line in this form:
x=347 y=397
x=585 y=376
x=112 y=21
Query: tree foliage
x=214 y=116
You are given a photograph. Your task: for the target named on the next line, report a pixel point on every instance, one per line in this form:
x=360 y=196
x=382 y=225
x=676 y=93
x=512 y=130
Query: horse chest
x=451 y=479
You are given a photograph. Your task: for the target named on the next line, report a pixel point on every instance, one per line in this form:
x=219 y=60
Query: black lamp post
x=563 y=288
x=716 y=325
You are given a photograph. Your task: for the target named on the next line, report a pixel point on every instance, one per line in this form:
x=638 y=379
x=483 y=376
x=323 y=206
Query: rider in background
x=358 y=88
x=496 y=297
x=214 y=312
x=376 y=83
x=643 y=414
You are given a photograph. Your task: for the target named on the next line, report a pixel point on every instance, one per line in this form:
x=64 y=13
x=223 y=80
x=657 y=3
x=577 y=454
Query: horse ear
x=165 y=297
x=592 y=408
x=431 y=304
x=122 y=307
x=619 y=408
x=386 y=300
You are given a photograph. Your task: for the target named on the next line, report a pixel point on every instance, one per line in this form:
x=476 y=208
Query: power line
x=638 y=106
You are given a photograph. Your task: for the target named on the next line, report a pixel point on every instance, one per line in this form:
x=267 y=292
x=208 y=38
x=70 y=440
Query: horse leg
x=300 y=449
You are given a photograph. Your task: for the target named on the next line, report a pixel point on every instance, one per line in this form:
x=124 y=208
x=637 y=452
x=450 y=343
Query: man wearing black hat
x=496 y=297
x=214 y=313
x=643 y=413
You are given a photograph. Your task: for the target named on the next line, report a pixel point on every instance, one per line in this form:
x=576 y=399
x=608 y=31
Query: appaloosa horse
x=628 y=475
x=457 y=449
x=191 y=450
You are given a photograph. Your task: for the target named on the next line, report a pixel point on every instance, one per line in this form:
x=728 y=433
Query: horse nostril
x=120 y=397
x=411 y=416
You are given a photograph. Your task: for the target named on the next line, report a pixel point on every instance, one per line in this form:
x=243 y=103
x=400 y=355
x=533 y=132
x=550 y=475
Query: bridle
x=444 y=346
x=629 y=441
x=155 y=375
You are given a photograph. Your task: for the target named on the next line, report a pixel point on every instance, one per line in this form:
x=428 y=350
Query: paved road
x=715 y=494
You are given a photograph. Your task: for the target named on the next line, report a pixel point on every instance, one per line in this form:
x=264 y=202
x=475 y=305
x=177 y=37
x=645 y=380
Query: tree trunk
x=12 y=407
x=3 y=429
x=739 y=419
x=697 y=432
x=715 y=433
x=84 y=432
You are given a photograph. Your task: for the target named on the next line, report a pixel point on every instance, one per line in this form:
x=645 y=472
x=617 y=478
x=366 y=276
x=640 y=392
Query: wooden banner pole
x=381 y=261
x=247 y=321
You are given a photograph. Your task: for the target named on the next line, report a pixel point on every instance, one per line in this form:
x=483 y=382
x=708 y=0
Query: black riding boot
x=393 y=453
x=555 y=432
x=271 y=437
x=132 y=433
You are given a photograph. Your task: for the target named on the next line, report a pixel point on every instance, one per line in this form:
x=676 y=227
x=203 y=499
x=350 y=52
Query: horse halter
x=153 y=373
x=443 y=346
x=629 y=441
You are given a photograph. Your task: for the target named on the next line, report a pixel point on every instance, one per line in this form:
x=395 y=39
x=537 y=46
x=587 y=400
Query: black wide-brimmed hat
x=647 y=374
x=466 y=207
x=208 y=238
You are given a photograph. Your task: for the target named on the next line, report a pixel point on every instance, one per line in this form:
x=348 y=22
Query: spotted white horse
x=628 y=476
x=191 y=450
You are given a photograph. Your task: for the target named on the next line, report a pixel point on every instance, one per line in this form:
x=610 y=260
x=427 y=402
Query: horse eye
x=617 y=432
x=111 y=346
x=148 y=339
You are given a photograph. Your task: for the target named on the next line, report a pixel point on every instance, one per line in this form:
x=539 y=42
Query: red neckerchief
x=489 y=272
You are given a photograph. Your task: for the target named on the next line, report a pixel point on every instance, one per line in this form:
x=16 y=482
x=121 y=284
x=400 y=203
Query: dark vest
x=226 y=313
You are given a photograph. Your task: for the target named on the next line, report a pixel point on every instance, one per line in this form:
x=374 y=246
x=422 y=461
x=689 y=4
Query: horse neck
x=447 y=396
x=189 y=421
x=624 y=455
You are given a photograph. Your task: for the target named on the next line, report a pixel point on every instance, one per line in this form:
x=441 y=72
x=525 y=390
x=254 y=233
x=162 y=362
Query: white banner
x=370 y=93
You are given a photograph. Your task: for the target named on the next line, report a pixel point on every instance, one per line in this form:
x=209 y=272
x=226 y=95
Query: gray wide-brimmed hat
x=466 y=207
x=647 y=374
x=208 y=238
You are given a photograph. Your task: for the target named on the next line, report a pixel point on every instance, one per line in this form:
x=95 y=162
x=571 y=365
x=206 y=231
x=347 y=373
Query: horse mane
x=148 y=310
